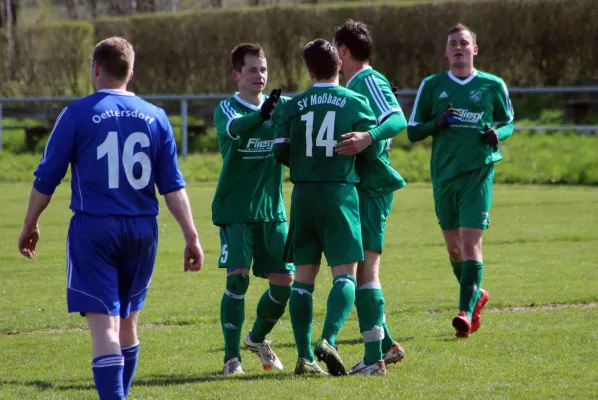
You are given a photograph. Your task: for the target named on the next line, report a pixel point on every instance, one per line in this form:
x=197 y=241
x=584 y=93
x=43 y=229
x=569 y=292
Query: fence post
x=0 y=126
x=184 y=131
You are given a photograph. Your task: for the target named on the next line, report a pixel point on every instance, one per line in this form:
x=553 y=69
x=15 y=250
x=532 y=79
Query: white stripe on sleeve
x=412 y=121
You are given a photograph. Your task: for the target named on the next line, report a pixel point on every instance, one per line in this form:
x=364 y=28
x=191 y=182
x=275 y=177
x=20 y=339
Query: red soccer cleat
x=476 y=319
x=462 y=324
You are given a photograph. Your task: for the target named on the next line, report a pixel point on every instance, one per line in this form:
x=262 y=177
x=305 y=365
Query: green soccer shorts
x=465 y=201
x=259 y=242
x=324 y=218
x=373 y=212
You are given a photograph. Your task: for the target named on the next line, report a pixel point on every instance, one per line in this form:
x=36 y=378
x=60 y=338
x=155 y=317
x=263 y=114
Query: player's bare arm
x=353 y=143
x=30 y=233
x=356 y=142
x=178 y=205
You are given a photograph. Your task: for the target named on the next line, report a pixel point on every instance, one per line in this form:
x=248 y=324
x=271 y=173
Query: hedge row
x=527 y=42
x=538 y=158
x=51 y=60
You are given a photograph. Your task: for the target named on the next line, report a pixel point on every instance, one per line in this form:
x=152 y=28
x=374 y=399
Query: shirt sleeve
x=168 y=175
x=503 y=115
x=57 y=154
x=382 y=100
x=421 y=122
x=365 y=121
x=389 y=128
x=282 y=140
x=230 y=122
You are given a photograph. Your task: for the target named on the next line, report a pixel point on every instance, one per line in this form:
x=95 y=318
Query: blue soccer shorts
x=109 y=264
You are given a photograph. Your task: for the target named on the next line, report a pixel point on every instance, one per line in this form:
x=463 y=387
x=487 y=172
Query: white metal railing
x=184 y=99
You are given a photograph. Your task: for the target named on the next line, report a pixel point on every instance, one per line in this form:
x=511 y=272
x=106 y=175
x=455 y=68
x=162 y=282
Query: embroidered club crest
x=475 y=95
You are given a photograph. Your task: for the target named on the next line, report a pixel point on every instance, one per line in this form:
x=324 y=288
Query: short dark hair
x=115 y=56
x=460 y=28
x=357 y=37
x=237 y=56
x=321 y=58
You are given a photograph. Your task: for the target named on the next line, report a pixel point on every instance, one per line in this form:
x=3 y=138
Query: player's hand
x=270 y=104
x=355 y=142
x=28 y=240
x=194 y=257
x=490 y=136
x=449 y=116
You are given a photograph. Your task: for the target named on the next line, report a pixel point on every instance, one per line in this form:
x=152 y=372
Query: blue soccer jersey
x=120 y=148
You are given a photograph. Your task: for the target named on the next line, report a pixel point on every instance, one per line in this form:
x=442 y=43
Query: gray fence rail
x=184 y=102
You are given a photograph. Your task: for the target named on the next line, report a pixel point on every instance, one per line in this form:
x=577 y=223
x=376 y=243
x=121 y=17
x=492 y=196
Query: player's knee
x=307 y=274
x=372 y=284
x=280 y=279
x=454 y=251
x=367 y=275
x=280 y=294
x=471 y=246
x=128 y=330
x=236 y=285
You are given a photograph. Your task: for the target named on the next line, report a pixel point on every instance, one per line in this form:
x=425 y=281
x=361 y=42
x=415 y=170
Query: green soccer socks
x=340 y=302
x=457 y=265
x=232 y=314
x=269 y=310
x=302 y=313
x=369 y=302
x=471 y=280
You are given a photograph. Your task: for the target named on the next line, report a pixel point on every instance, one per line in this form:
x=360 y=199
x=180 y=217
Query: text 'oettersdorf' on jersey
x=325 y=98
x=122 y=113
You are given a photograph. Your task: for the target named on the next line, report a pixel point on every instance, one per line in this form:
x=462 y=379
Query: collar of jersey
x=465 y=81
x=357 y=73
x=117 y=91
x=325 y=84
x=246 y=104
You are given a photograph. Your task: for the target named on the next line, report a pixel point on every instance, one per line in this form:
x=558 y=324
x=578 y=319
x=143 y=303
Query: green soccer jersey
x=377 y=177
x=313 y=122
x=250 y=184
x=481 y=98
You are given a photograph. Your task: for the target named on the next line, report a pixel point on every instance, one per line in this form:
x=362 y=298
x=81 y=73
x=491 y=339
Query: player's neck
x=251 y=98
x=352 y=67
x=122 y=88
x=111 y=84
x=333 y=80
x=463 y=72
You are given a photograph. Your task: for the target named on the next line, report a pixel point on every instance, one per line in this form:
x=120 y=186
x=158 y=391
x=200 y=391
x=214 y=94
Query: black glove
x=490 y=136
x=394 y=90
x=270 y=104
x=449 y=116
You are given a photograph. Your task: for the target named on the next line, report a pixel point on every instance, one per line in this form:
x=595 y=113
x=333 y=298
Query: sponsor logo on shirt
x=469 y=116
x=256 y=145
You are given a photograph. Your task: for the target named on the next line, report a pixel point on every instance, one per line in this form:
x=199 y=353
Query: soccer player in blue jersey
x=119 y=148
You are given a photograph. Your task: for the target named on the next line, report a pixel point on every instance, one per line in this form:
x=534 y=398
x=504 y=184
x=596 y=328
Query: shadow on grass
x=345 y=342
x=48 y=385
x=216 y=376
x=160 y=380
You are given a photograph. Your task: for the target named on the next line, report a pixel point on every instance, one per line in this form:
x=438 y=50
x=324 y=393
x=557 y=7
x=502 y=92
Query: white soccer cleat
x=233 y=367
x=267 y=356
x=375 y=369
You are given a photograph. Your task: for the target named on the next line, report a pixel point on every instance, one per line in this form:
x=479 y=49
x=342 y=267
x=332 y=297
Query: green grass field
x=539 y=338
